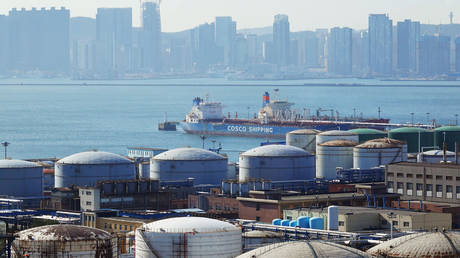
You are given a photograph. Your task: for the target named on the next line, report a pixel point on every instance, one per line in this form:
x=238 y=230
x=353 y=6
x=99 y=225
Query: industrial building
x=426 y=244
x=276 y=163
x=320 y=249
x=188 y=236
x=86 y=168
x=355 y=219
x=205 y=167
x=264 y=206
x=20 y=178
x=65 y=241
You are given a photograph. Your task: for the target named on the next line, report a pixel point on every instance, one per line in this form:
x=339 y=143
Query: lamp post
x=391 y=216
x=5 y=145
x=203 y=138
x=412 y=118
x=456 y=119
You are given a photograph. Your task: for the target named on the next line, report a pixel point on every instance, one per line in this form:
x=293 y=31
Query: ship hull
x=258 y=130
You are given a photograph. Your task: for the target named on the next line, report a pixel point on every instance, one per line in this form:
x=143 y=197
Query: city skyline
x=304 y=15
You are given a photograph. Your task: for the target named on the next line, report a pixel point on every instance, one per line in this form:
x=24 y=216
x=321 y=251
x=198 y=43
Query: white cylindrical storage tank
x=65 y=241
x=20 y=178
x=379 y=152
x=144 y=169
x=206 y=167
x=435 y=156
x=303 y=138
x=86 y=168
x=333 y=218
x=336 y=135
x=276 y=163
x=188 y=237
x=333 y=154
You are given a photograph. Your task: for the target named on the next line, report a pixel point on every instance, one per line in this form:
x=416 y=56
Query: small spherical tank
x=276 y=163
x=86 y=168
x=206 y=167
x=379 y=152
x=188 y=237
x=20 y=178
x=303 y=138
x=333 y=154
x=65 y=241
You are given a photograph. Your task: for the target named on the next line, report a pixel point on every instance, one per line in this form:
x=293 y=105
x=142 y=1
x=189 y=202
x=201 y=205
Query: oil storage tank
x=333 y=154
x=20 y=178
x=65 y=241
x=336 y=135
x=436 y=156
x=303 y=138
x=379 y=152
x=188 y=237
x=415 y=138
x=451 y=135
x=86 y=168
x=276 y=163
x=206 y=167
x=367 y=134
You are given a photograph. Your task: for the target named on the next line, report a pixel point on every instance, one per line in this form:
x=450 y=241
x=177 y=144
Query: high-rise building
x=254 y=53
x=114 y=33
x=339 y=51
x=408 y=38
x=151 y=36
x=225 y=32
x=434 y=55
x=380 y=44
x=457 y=55
x=39 y=40
x=281 y=40
x=321 y=35
x=203 y=46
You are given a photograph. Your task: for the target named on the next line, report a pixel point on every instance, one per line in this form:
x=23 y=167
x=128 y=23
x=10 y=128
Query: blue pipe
x=383 y=204
x=408 y=205
x=375 y=201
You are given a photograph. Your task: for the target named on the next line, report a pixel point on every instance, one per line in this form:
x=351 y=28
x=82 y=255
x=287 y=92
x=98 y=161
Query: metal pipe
x=456 y=153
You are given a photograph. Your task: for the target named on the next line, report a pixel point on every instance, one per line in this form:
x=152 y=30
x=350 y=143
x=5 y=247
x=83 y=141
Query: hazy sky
x=178 y=15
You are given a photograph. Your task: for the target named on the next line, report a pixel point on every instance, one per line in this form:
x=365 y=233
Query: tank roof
x=384 y=143
x=438 y=153
x=15 y=163
x=451 y=128
x=409 y=130
x=366 y=131
x=94 y=158
x=441 y=244
x=337 y=133
x=189 y=154
x=339 y=143
x=63 y=233
x=262 y=234
x=189 y=224
x=305 y=131
x=276 y=150
x=316 y=248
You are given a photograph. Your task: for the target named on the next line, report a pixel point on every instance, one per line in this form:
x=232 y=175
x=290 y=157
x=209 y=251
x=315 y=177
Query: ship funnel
x=265 y=99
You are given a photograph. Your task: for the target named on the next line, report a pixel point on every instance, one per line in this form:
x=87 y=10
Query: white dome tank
x=86 y=168
x=435 y=156
x=305 y=249
x=379 y=152
x=303 y=138
x=336 y=135
x=20 y=178
x=188 y=237
x=65 y=241
x=333 y=154
x=206 y=167
x=276 y=163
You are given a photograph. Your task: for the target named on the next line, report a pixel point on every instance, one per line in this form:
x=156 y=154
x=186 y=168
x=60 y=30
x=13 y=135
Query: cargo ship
x=274 y=120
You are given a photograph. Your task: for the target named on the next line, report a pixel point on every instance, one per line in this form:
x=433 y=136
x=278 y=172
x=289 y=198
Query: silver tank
x=333 y=154
x=303 y=138
x=86 y=168
x=276 y=163
x=206 y=167
x=20 y=178
x=379 y=152
x=336 y=135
